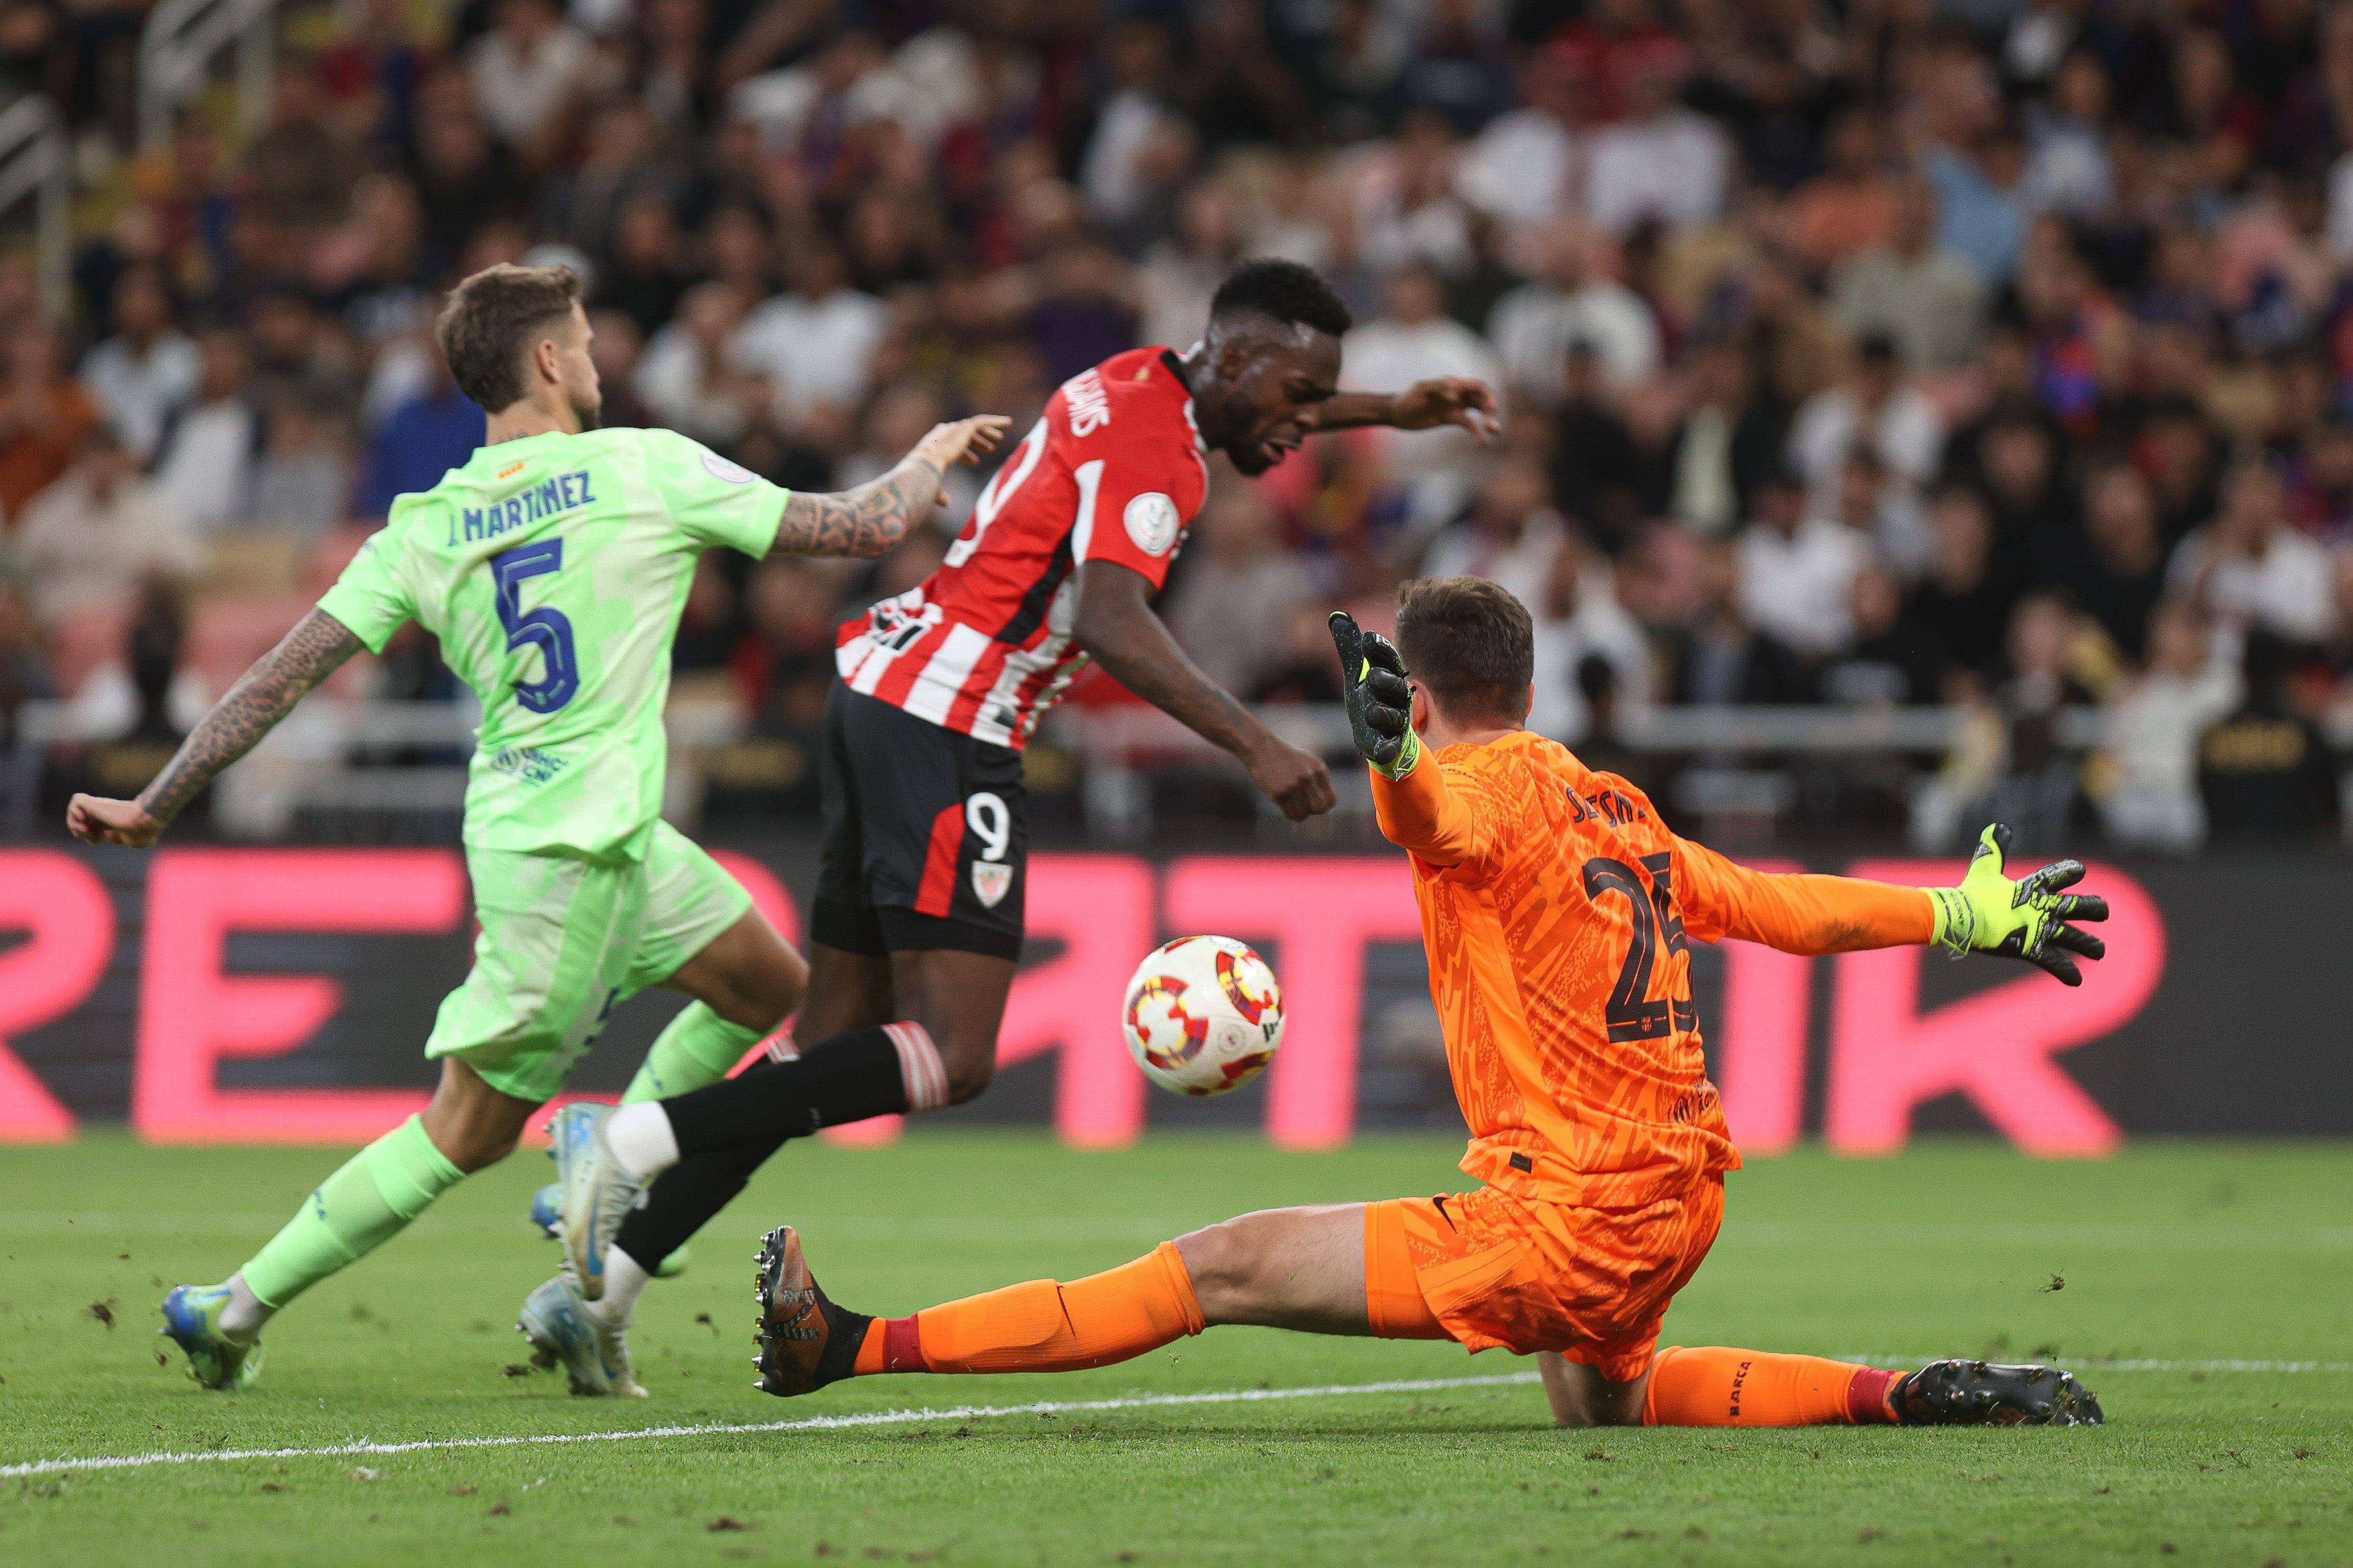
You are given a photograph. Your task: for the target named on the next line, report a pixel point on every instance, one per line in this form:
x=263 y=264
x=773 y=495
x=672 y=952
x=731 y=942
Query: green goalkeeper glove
x=2026 y=918
x=1380 y=702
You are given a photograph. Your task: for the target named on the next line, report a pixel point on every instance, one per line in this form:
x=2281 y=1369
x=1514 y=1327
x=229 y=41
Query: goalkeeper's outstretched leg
x=1333 y=1269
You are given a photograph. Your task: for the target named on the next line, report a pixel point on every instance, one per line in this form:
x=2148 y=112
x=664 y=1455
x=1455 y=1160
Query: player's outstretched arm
x=1810 y=914
x=1424 y=406
x=317 y=647
x=868 y=521
x=1417 y=809
x=1117 y=624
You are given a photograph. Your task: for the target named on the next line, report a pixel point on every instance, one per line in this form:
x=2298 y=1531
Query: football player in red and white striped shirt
x=918 y=914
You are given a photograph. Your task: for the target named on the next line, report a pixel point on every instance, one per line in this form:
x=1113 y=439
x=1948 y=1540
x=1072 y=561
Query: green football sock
x=697 y=1049
x=352 y=1213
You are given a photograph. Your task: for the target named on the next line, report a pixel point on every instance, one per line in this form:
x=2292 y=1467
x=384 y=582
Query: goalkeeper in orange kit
x=1556 y=909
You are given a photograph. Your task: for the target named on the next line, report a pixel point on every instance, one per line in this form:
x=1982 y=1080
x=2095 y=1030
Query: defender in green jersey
x=553 y=567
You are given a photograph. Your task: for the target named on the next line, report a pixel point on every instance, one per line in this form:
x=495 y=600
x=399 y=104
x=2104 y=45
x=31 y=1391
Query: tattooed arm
x=866 y=521
x=317 y=647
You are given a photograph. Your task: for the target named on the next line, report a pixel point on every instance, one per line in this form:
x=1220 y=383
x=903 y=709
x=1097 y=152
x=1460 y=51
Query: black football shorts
x=926 y=835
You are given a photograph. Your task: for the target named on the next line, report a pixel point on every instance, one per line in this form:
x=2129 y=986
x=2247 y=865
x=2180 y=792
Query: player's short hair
x=491 y=319
x=1469 y=644
x=1283 y=291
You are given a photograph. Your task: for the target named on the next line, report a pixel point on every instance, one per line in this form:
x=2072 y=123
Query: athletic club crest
x=991 y=881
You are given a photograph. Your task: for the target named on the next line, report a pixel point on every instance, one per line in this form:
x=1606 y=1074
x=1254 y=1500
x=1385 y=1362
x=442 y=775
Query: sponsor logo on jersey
x=720 y=468
x=1152 y=521
x=991 y=881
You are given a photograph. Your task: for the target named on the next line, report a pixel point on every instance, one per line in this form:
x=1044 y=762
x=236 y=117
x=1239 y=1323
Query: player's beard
x=590 y=412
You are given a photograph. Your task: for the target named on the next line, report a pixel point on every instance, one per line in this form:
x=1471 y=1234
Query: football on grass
x=1203 y=1014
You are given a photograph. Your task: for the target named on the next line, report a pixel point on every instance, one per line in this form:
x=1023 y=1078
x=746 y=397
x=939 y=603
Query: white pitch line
x=982 y=1412
x=808 y=1424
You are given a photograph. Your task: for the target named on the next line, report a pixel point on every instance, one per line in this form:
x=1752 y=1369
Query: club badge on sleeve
x=991 y=881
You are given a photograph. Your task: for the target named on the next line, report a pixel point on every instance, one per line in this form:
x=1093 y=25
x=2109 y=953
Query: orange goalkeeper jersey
x=1555 y=910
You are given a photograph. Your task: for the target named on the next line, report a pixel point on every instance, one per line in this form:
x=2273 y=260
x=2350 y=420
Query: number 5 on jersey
x=546 y=628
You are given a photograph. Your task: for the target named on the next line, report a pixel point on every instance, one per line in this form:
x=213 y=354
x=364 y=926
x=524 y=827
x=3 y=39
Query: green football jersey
x=554 y=569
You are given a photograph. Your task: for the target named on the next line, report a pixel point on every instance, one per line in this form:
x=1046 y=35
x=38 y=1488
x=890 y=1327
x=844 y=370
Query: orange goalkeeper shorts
x=1489 y=1269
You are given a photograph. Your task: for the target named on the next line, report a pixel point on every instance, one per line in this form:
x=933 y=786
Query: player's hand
x=2027 y=919
x=960 y=441
x=1448 y=400
x=1379 y=697
x=1296 y=780
x=94 y=819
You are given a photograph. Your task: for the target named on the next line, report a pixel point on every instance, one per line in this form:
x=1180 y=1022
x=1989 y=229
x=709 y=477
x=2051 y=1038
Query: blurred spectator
x=1509 y=536
x=2035 y=784
x=1302 y=668
x=1414 y=339
x=1798 y=569
x=1180 y=273
x=2117 y=573
x=529 y=71
x=1579 y=623
x=2264 y=772
x=815 y=344
x=1662 y=159
x=1522 y=169
x=146 y=371
x=421 y=439
x=2153 y=730
x=1909 y=288
x=1572 y=301
x=303 y=482
x=1240 y=587
x=688 y=378
x=1720 y=660
x=1964 y=601
x=1894 y=660
x=87 y=542
x=1596 y=472
x=1852 y=206
x=44 y=416
x=1722 y=447
x=1875 y=406
x=1133 y=117
x=204 y=471
x=1081 y=313
x=2251 y=569
x=2035 y=527
x=1982 y=198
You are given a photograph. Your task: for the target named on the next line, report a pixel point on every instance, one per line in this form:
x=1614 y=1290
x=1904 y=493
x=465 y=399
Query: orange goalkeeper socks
x=1716 y=1386
x=1044 y=1325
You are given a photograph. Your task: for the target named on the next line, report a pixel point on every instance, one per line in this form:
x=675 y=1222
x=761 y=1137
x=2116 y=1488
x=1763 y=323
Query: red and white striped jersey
x=1114 y=470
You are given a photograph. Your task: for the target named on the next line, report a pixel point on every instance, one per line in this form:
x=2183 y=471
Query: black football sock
x=877 y=1071
x=684 y=1199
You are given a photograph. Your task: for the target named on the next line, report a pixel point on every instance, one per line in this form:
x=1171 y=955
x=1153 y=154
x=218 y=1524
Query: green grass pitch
x=2155 y=1273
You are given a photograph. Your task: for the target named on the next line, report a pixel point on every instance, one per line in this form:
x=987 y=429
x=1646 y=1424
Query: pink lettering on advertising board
x=1319 y=913
x=68 y=920
x=194 y=1014
x=1995 y=1047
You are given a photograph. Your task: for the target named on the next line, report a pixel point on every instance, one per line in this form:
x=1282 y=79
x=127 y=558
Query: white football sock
x=624 y=1281
x=246 y=1312
x=640 y=1139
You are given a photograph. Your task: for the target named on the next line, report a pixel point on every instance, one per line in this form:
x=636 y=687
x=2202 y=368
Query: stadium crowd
x=1990 y=353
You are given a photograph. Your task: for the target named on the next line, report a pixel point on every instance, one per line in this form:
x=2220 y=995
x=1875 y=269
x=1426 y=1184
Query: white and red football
x=1203 y=1014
